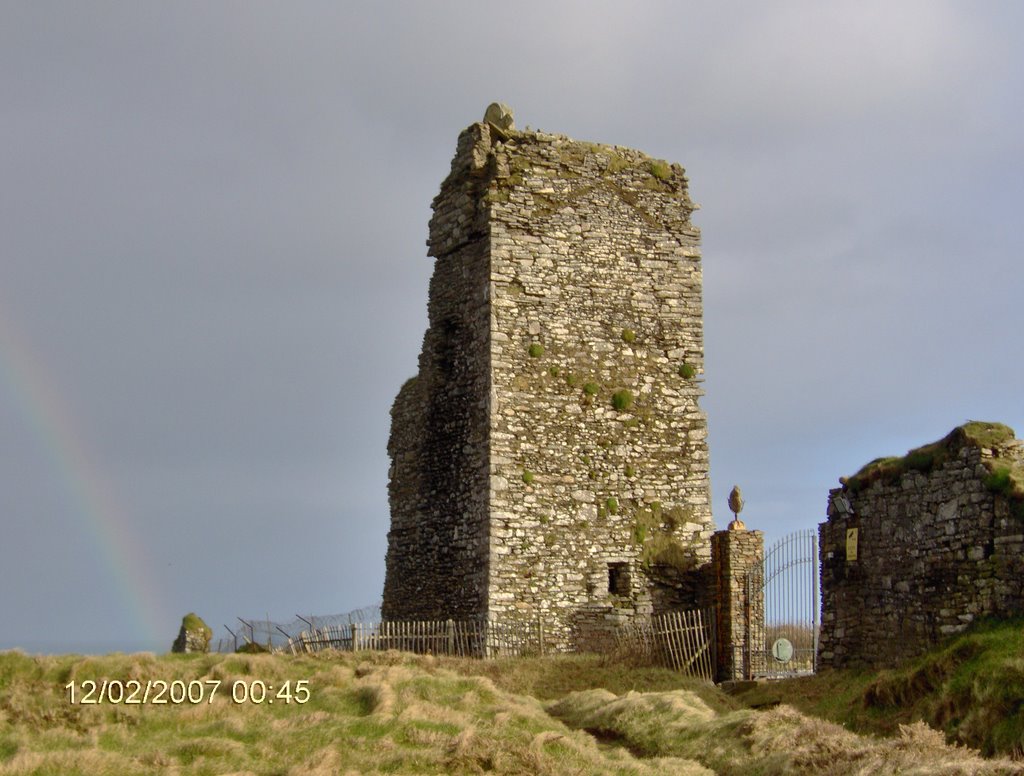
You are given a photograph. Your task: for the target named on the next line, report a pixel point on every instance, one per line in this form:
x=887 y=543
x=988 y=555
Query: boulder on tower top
x=500 y=115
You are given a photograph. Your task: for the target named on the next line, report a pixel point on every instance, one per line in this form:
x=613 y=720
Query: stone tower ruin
x=549 y=459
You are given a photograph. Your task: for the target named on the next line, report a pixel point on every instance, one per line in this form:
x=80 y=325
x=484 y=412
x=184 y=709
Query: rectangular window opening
x=618 y=579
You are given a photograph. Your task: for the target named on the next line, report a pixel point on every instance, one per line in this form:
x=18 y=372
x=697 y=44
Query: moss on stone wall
x=928 y=457
x=193 y=622
x=938 y=544
x=592 y=298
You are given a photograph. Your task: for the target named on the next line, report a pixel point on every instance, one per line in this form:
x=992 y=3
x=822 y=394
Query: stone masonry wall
x=596 y=283
x=579 y=475
x=740 y=608
x=933 y=542
x=439 y=482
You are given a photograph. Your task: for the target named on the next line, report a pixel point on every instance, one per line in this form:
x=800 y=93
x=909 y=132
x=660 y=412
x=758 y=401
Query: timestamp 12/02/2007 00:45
x=179 y=691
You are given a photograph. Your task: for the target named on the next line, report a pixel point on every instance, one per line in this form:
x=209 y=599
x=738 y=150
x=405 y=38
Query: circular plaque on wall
x=782 y=650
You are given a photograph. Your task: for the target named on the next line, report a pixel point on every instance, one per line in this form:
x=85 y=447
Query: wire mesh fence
x=276 y=636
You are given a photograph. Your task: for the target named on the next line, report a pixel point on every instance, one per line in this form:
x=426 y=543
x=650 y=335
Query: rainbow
x=115 y=542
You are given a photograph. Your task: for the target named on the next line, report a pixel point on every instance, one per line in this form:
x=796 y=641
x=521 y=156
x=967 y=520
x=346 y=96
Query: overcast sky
x=213 y=276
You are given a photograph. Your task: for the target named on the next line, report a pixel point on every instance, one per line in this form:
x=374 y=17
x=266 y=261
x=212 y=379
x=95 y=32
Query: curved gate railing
x=784 y=641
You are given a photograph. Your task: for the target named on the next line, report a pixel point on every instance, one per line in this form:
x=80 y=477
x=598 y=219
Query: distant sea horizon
x=62 y=647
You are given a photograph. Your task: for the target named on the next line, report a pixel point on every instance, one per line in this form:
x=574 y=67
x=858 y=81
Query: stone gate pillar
x=735 y=555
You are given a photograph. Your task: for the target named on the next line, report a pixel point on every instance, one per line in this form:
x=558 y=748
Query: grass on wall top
x=1007 y=474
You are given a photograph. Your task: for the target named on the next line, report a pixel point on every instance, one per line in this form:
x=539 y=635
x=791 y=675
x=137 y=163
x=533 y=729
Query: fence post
x=355 y=635
x=540 y=634
x=450 y=630
x=234 y=636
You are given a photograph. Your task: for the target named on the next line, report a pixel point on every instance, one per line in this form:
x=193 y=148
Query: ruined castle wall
x=923 y=555
x=567 y=278
x=596 y=289
x=437 y=548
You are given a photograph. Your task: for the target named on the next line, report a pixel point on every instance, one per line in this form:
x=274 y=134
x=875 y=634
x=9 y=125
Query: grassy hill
x=375 y=713
x=971 y=688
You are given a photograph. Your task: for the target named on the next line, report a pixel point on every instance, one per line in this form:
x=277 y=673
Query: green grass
x=971 y=688
x=194 y=622
x=616 y=162
x=639 y=532
x=553 y=677
x=622 y=399
x=367 y=713
x=373 y=713
x=777 y=742
x=924 y=459
x=659 y=169
x=1000 y=480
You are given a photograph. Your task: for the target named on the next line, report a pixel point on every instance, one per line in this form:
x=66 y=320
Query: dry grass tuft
x=779 y=741
x=394 y=713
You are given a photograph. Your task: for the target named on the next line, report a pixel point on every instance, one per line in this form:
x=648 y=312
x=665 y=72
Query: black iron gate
x=783 y=608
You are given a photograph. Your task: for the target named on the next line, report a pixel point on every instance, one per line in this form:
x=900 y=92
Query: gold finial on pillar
x=736 y=505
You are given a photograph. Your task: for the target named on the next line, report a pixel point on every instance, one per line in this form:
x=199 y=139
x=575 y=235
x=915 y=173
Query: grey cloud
x=214 y=216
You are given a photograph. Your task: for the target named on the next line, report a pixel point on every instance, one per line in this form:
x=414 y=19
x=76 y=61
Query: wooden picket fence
x=686 y=641
x=461 y=638
x=682 y=641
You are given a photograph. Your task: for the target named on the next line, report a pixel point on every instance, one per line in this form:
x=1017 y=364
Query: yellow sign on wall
x=851 y=544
